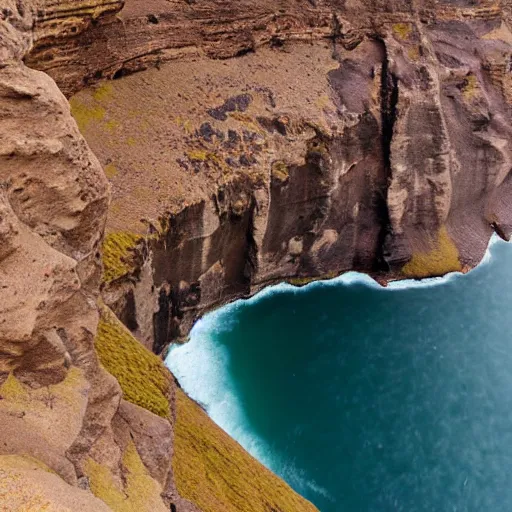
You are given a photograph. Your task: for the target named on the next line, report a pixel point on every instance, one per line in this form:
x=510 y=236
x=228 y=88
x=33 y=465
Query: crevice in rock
x=389 y=102
x=251 y=249
x=128 y=315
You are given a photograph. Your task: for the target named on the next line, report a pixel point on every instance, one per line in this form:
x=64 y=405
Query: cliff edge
x=291 y=141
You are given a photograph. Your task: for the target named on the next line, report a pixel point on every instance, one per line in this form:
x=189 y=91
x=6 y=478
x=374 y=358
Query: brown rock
x=26 y=484
x=151 y=434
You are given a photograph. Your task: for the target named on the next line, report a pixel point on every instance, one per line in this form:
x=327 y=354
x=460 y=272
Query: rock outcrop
x=260 y=141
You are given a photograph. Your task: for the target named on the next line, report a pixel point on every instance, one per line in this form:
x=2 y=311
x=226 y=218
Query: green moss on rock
x=119 y=254
x=103 y=92
x=85 y=114
x=443 y=257
x=140 y=493
x=144 y=379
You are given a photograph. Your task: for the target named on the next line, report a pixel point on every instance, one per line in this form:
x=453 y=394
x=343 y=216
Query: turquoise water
x=369 y=399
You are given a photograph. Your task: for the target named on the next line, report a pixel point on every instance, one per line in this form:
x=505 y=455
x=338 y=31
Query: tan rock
x=26 y=484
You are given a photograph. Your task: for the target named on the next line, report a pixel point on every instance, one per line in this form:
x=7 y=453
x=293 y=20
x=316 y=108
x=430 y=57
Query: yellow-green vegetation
x=470 y=88
x=144 y=379
x=112 y=125
x=12 y=389
x=302 y=281
x=186 y=124
x=85 y=114
x=217 y=474
x=247 y=121
x=202 y=155
x=90 y=109
x=402 y=30
x=442 y=258
x=103 y=92
x=323 y=101
x=280 y=171
x=119 y=254
x=16 y=491
x=23 y=462
x=110 y=171
x=198 y=154
x=141 y=493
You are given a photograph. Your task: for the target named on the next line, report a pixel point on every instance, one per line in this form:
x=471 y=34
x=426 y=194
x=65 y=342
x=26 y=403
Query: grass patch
x=280 y=171
x=402 y=31
x=442 y=258
x=119 y=254
x=144 y=379
x=202 y=155
x=470 y=88
x=104 y=92
x=84 y=115
x=302 y=281
x=217 y=474
x=140 y=494
x=13 y=390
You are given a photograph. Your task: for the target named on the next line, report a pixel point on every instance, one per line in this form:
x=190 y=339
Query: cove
x=369 y=399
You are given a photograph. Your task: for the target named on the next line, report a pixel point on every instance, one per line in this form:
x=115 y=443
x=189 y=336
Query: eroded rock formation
x=262 y=141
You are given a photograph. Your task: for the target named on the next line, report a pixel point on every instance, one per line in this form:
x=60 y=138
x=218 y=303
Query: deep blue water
x=369 y=399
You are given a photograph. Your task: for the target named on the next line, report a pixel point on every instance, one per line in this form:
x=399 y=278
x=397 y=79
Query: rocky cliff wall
x=87 y=413
x=353 y=135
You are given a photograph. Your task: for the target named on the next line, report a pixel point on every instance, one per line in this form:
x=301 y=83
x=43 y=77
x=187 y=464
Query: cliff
x=292 y=141
x=88 y=414
x=284 y=140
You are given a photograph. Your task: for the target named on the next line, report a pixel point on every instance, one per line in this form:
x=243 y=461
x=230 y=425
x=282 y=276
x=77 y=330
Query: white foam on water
x=297 y=478
x=202 y=367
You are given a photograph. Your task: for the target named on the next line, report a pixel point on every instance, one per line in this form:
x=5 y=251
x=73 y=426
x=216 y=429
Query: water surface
x=369 y=399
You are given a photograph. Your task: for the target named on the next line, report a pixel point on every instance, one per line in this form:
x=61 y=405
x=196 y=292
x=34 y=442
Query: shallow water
x=369 y=399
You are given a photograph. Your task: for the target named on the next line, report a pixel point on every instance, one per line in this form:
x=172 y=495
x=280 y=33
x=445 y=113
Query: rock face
x=262 y=141
x=74 y=436
x=345 y=135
